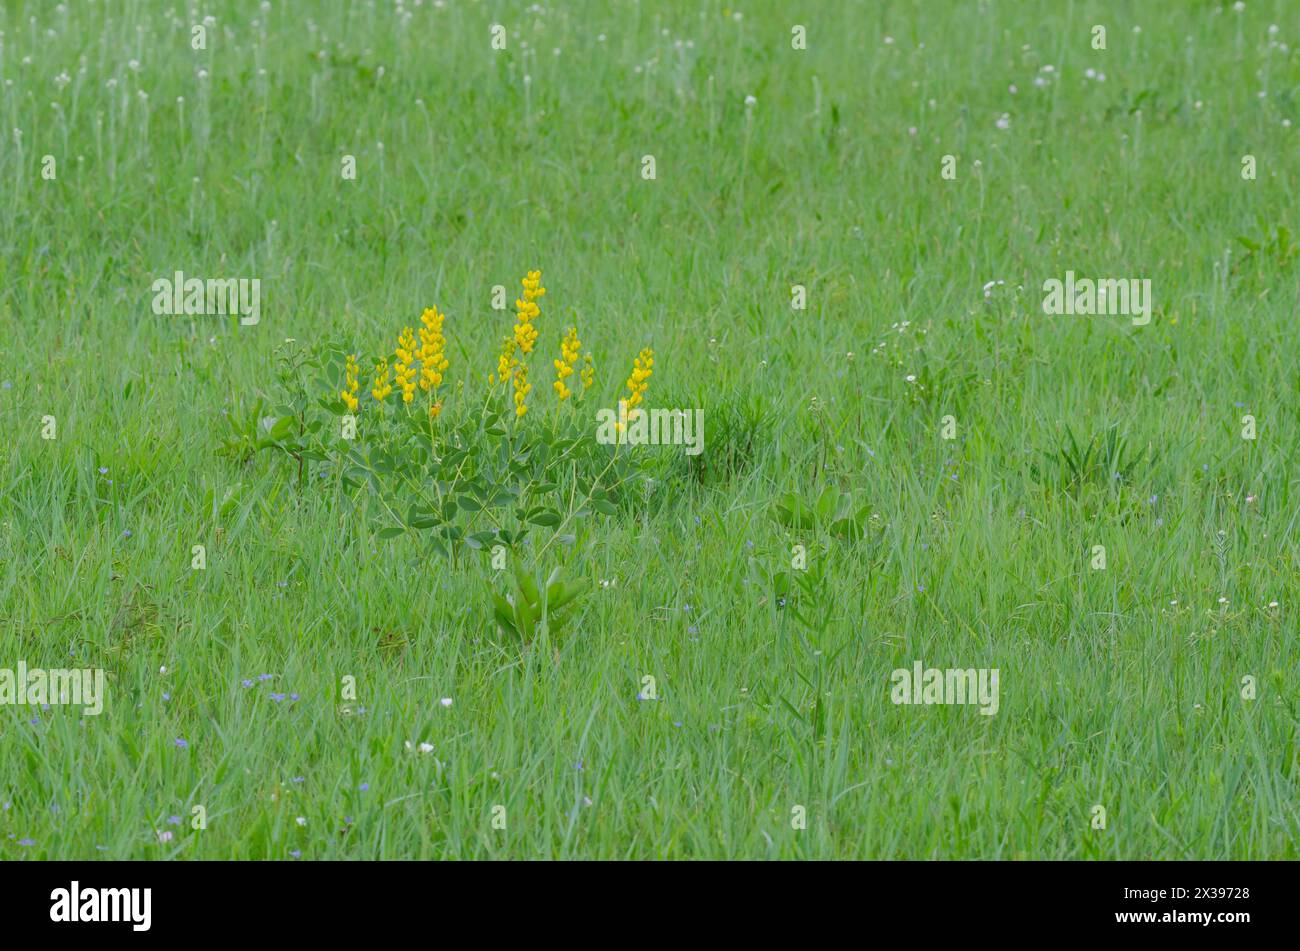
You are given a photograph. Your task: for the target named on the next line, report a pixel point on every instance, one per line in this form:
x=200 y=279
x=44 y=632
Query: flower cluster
x=515 y=348
x=351 y=384
x=505 y=361
x=419 y=362
x=402 y=365
x=526 y=311
x=519 y=380
x=569 y=349
x=433 y=349
x=382 y=387
x=639 y=381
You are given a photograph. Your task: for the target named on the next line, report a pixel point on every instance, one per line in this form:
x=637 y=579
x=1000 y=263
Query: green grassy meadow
x=773 y=735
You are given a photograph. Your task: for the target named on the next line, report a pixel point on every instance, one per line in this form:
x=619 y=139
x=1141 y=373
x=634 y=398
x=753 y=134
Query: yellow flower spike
x=506 y=361
x=404 y=373
x=526 y=311
x=533 y=286
x=351 y=384
x=433 y=348
x=382 y=387
x=522 y=388
x=569 y=348
x=435 y=409
x=639 y=381
x=588 y=372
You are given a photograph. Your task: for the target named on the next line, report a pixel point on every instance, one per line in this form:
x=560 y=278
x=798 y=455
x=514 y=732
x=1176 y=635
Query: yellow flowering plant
x=463 y=466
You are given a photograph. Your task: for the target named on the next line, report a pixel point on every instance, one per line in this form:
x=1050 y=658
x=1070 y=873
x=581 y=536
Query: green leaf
x=527 y=585
x=480 y=540
x=525 y=618
x=827 y=503
x=282 y=428
x=846 y=529
x=792 y=512
x=501 y=610
x=561 y=593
